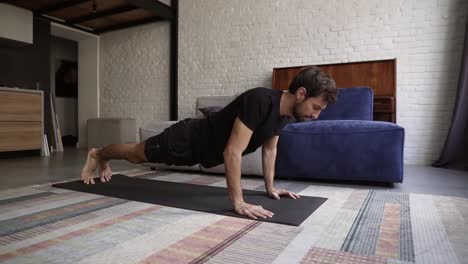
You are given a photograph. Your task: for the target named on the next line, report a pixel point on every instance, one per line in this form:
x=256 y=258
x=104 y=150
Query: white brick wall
x=134 y=73
x=229 y=46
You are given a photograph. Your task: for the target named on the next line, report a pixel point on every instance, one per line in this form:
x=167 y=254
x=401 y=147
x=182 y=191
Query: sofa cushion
x=206 y=111
x=345 y=149
x=354 y=103
x=210 y=101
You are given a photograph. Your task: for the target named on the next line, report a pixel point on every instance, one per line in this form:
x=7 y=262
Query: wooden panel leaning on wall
x=379 y=75
x=21 y=119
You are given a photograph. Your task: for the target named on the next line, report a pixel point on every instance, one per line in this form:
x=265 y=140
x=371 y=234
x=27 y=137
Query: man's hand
x=276 y=193
x=252 y=211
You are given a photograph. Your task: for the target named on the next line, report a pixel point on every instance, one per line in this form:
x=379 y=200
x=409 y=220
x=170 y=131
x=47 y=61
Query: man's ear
x=301 y=94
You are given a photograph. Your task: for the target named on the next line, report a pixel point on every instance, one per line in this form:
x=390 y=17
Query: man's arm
x=268 y=163
x=237 y=143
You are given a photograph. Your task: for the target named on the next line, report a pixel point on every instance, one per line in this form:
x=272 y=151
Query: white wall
x=229 y=46
x=16 y=23
x=67 y=108
x=135 y=73
x=88 y=76
x=88 y=86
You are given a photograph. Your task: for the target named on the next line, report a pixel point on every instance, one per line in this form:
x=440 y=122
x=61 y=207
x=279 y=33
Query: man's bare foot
x=89 y=169
x=105 y=171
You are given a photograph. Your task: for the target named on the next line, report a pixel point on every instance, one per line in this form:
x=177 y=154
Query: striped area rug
x=42 y=224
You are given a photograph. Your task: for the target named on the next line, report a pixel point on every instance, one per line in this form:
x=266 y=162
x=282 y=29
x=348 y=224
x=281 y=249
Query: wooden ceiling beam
x=59 y=6
x=157 y=8
x=100 y=14
x=129 y=24
x=59 y=21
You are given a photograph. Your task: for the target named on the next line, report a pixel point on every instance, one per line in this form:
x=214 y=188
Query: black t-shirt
x=258 y=109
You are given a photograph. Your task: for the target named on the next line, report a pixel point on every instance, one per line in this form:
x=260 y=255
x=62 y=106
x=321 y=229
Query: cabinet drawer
x=20 y=136
x=384 y=104
x=18 y=106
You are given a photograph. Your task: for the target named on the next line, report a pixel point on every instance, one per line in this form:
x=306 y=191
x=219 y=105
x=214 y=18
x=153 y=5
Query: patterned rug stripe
x=364 y=235
x=18 y=192
x=462 y=205
x=388 y=244
x=406 y=230
x=47 y=243
x=21 y=223
x=355 y=200
x=62 y=200
x=322 y=255
x=260 y=245
x=201 y=245
x=316 y=226
x=103 y=215
x=12 y=209
x=296 y=187
x=42 y=229
x=431 y=243
x=454 y=224
x=24 y=198
x=336 y=232
x=205 y=180
x=365 y=239
x=93 y=243
x=397 y=261
x=220 y=247
x=158 y=238
x=247 y=184
x=42 y=224
x=347 y=244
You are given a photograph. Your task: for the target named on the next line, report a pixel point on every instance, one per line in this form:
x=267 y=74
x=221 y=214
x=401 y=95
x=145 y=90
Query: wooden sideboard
x=379 y=75
x=21 y=119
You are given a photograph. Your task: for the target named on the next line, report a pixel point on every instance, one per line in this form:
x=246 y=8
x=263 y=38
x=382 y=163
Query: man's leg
x=134 y=152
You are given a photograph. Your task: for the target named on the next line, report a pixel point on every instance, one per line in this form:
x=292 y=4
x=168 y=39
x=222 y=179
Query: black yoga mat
x=198 y=197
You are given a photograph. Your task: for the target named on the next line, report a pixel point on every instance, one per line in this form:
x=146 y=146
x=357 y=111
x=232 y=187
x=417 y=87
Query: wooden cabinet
x=21 y=119
x=384 y=108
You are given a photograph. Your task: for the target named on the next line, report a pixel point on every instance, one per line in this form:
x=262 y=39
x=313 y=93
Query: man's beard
x=297 y=116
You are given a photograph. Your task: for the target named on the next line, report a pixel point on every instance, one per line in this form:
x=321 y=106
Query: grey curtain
x=455 y=151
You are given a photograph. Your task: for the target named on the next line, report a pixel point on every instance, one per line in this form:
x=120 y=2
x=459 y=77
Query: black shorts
x=174 y=146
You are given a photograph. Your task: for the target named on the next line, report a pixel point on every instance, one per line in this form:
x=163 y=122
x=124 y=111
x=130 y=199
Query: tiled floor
x=17 y=172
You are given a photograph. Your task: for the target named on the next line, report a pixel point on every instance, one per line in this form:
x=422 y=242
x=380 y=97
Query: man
x=255 y=118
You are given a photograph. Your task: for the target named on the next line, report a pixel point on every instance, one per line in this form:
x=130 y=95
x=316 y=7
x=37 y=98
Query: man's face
x=309 y=109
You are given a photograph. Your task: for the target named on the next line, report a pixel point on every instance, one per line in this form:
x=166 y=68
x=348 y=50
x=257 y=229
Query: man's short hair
x=316 y=83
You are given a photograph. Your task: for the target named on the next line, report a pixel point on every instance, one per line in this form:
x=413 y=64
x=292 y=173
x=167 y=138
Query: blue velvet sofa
x=343 y=144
